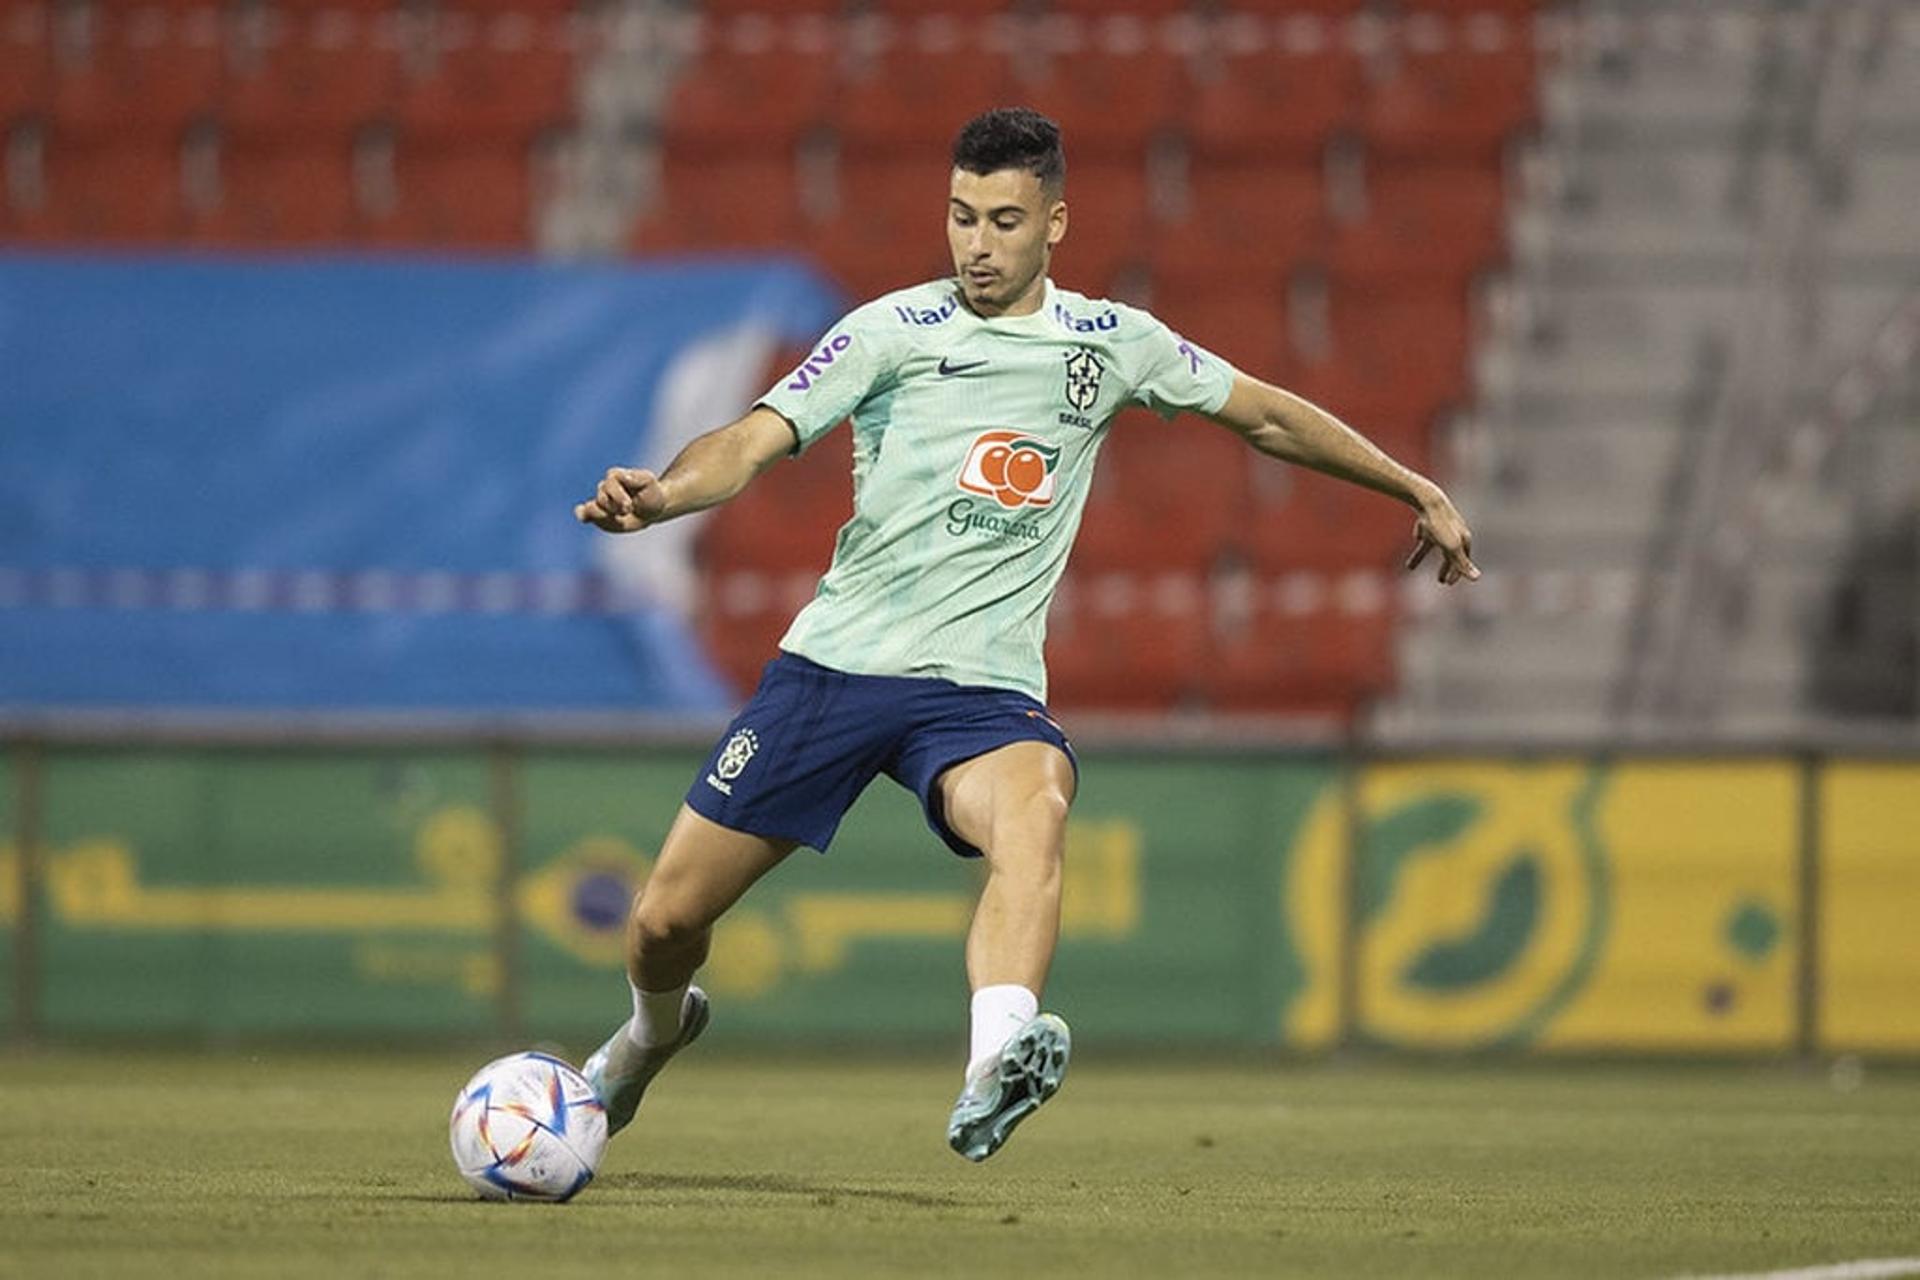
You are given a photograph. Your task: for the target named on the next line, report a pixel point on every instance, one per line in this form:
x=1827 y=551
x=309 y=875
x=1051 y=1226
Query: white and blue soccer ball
x=527 y=1127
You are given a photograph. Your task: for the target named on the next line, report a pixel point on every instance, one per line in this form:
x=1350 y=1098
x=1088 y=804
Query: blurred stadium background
x=322 y=718
x=324 y=730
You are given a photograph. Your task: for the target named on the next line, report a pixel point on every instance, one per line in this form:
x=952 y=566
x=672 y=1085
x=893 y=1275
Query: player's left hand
x=1440 y=526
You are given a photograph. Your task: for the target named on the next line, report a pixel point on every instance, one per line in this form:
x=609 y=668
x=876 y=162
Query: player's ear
x=1057 y=222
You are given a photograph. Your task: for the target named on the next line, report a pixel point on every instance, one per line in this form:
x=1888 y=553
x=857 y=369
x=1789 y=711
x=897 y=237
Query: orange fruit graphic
x=1026 y=471
x=993 y=465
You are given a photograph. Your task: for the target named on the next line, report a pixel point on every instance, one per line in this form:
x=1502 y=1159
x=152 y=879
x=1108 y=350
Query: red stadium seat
x=358 y=8
x=1247 y=329
x=1415 y=337
x=280 y=192
x=772 y=528
x=1292 y=8
x=1399 y=415
x=1139 y=652
x=505 y=76
x=545 y=9
x=1440 y=225
x=1109 y=103
x=888 y=229
x=1474 y=8
x=912 y=100
x=741 y=620
x=867 y=270
x=1323 y=663
x=785 y=523
x=764 y=98
x=940 y=8
x=1453 y=105
x=1169 y=495
x=26 y=76
x=148 y=73
x=109 y=191
x=458 y=195
x=1107 y=223
x=761 y=554
x=1106 y=8
x=756 y=8
x=326 y=76
x=728 y=201
x=1275 y=104
x=1247 y=226
x=887 y=199
x=1298 y=519
x=1302 y=520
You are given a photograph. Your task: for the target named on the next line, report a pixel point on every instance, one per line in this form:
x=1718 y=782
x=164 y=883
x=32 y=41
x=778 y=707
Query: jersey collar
x=1037 y=322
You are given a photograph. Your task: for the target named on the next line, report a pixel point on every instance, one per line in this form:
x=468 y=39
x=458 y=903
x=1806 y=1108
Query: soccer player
x=977 y=403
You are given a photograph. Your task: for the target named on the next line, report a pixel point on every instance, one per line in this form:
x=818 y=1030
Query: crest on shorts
x=1083 y=378
x=735 y=755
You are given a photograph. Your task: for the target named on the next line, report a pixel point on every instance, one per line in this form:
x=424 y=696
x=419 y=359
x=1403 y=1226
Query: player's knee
x=1040 y=817
x=1030 y=838
x=659 y=925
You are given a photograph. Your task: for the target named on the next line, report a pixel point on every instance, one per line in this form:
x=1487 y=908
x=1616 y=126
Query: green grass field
x=274 y=1163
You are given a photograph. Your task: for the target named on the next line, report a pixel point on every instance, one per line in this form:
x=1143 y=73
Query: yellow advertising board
x=1869 y=953
x=1700 y=945
x=1562 y=904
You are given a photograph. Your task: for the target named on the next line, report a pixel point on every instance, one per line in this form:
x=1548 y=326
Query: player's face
x=1001 y=226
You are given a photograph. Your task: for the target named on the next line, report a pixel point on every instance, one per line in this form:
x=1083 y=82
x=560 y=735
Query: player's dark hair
x=1013 y=138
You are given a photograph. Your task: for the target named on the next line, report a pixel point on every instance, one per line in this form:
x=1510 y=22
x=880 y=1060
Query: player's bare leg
x=702 y=870
x=1011 y=804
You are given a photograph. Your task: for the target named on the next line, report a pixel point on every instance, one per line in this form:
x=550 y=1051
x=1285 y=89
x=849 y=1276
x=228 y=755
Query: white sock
x=656 y=1016
x=998 y=1012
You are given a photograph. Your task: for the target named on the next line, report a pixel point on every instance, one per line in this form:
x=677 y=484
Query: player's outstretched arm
x=711 y=469
x=1284 y=426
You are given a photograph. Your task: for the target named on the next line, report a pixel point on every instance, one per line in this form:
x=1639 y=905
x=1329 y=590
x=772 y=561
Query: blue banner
x=347 y=483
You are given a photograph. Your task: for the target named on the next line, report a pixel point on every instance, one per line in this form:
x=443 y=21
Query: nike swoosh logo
x=948 y=368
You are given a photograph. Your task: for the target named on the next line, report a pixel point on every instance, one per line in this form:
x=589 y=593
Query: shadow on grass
x=771 y=1184
x=718 y=1186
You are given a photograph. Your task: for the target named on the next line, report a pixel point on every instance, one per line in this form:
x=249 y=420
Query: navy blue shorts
x=796 y=758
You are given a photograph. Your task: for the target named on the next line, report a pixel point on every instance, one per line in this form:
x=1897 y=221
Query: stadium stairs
x=1692 y=464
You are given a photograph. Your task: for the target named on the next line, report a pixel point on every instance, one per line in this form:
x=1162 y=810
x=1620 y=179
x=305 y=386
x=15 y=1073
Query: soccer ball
x=527 y=1127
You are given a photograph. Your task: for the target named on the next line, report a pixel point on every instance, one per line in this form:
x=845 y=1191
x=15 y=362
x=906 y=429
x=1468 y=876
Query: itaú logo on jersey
x=1011 y=467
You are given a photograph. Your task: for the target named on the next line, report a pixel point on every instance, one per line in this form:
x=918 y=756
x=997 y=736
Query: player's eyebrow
x=991 y=213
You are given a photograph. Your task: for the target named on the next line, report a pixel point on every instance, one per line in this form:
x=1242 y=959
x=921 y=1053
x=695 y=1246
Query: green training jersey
x=973 y=447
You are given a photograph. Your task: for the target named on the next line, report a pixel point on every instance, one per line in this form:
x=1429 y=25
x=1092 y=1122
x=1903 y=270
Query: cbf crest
x=1083 y=378
x=735 y=755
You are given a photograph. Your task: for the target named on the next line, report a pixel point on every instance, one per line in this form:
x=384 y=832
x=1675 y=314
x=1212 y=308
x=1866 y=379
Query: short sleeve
x=1172 y=374
x=843 y=368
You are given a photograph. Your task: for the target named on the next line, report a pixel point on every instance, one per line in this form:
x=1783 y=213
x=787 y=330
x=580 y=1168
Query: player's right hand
x=626 y=501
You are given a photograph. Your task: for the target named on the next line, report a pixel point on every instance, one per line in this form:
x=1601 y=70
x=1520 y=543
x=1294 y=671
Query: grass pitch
x=266 y=1163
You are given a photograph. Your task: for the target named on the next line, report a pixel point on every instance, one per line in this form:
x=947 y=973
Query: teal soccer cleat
x=1008 y=1089
x=621 y=1070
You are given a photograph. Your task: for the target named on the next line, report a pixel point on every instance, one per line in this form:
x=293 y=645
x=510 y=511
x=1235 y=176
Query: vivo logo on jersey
x=1080 y=324
x=927 y=315
x=818 y=362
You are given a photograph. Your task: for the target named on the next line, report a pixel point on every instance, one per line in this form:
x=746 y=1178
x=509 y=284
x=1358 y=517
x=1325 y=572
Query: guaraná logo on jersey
x=1011 y=467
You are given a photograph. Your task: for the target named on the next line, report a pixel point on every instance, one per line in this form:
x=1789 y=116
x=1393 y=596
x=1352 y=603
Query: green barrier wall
x=10 y=892
x=1580 y=905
